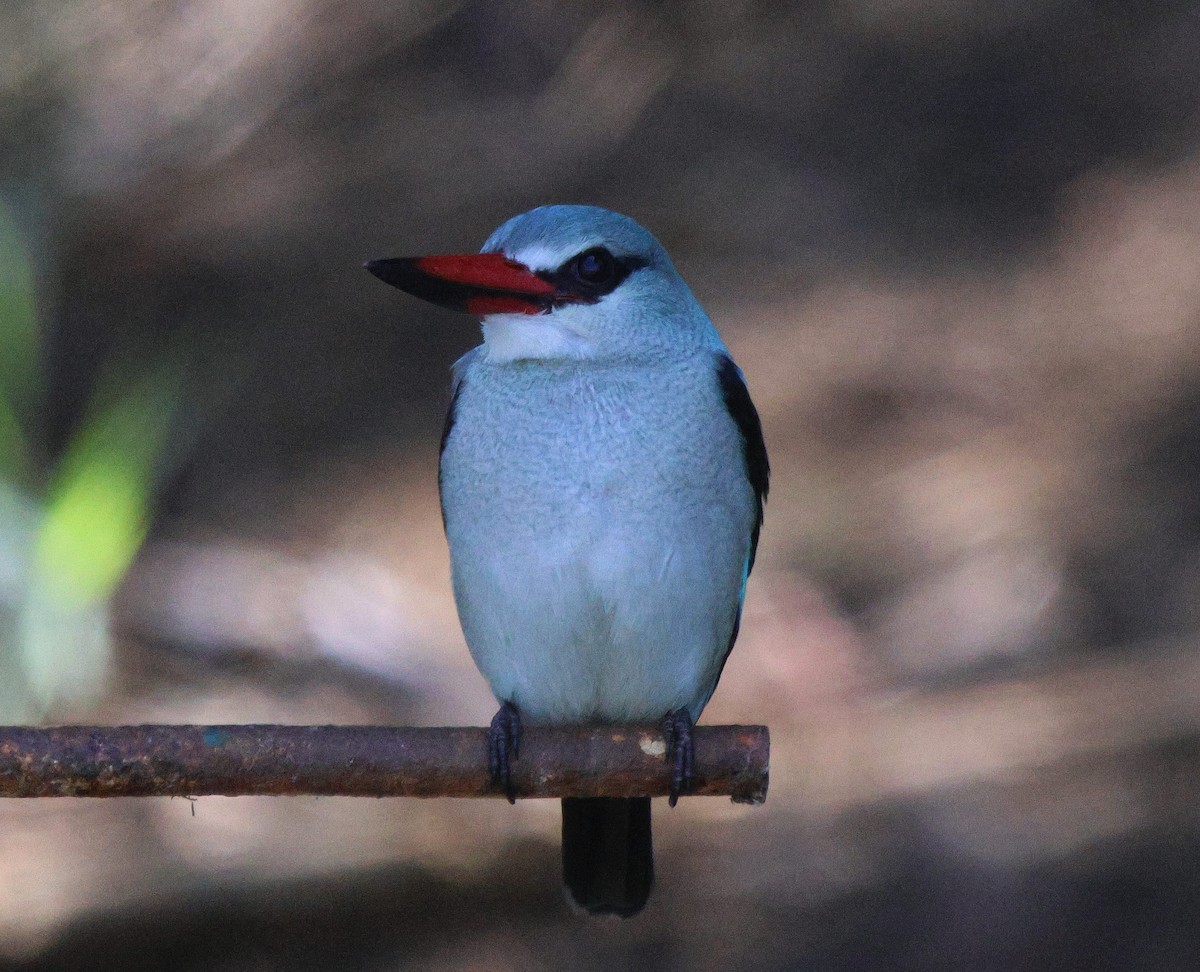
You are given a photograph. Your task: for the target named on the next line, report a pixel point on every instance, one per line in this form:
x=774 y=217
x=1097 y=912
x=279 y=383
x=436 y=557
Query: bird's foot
x=504 y=746
x=681 y=751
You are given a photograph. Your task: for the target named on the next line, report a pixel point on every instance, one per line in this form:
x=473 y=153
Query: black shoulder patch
x=447 y=428
x=754 y=449
x=758 y=468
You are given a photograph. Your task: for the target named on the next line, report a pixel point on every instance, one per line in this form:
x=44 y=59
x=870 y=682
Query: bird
x=602 y=478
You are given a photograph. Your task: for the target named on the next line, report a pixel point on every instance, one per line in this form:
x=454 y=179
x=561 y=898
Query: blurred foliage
x=70 y=527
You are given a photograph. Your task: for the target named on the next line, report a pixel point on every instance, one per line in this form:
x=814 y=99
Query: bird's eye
x=595 y=267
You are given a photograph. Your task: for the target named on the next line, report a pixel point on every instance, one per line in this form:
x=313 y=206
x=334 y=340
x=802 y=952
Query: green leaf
x=99 y=501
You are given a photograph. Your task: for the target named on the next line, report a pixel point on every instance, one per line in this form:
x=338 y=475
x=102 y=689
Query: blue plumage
x=602 y=479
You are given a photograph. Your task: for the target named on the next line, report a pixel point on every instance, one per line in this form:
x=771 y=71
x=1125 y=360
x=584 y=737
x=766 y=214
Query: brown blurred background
x=956 y=250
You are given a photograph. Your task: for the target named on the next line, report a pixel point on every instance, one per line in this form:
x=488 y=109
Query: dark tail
x=607 y=853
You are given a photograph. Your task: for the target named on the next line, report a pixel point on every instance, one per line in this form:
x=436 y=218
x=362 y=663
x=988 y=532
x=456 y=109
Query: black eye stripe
x=607 y=271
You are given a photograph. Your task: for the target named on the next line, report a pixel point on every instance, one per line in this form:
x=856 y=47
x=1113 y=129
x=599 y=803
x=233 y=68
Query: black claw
x=504 y=746
x=681 y=751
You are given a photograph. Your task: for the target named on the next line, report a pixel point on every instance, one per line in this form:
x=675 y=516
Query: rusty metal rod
x=378 y=761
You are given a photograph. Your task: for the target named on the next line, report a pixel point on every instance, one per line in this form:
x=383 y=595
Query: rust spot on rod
x=378 y=761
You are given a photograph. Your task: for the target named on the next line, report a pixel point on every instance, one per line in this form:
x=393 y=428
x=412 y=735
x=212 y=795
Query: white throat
x=518 y=337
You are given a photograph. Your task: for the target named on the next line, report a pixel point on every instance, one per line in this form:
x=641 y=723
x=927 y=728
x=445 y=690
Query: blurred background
x=954 y=247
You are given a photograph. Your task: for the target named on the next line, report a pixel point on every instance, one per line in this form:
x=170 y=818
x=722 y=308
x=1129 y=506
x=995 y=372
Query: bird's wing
x=754 y=449
x=458 y=373
x=758 y=470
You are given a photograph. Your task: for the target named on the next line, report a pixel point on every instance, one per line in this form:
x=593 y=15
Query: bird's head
x=564 y=282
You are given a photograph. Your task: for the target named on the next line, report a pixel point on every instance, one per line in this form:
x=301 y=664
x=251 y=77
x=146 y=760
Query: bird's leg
x=504 y=746
x=681 y=751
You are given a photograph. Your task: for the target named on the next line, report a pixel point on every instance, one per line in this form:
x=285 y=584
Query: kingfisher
x=602 y=481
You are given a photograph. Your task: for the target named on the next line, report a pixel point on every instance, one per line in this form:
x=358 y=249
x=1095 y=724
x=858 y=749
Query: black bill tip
x=398 y=271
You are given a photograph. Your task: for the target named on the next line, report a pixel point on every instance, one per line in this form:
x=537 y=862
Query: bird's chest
x=589 y=518
x=577 y=458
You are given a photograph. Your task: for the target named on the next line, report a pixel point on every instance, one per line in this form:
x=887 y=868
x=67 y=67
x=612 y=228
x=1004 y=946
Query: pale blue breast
x=599 y=519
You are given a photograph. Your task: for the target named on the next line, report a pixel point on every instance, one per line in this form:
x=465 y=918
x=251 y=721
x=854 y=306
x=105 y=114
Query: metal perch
x=378 y=761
